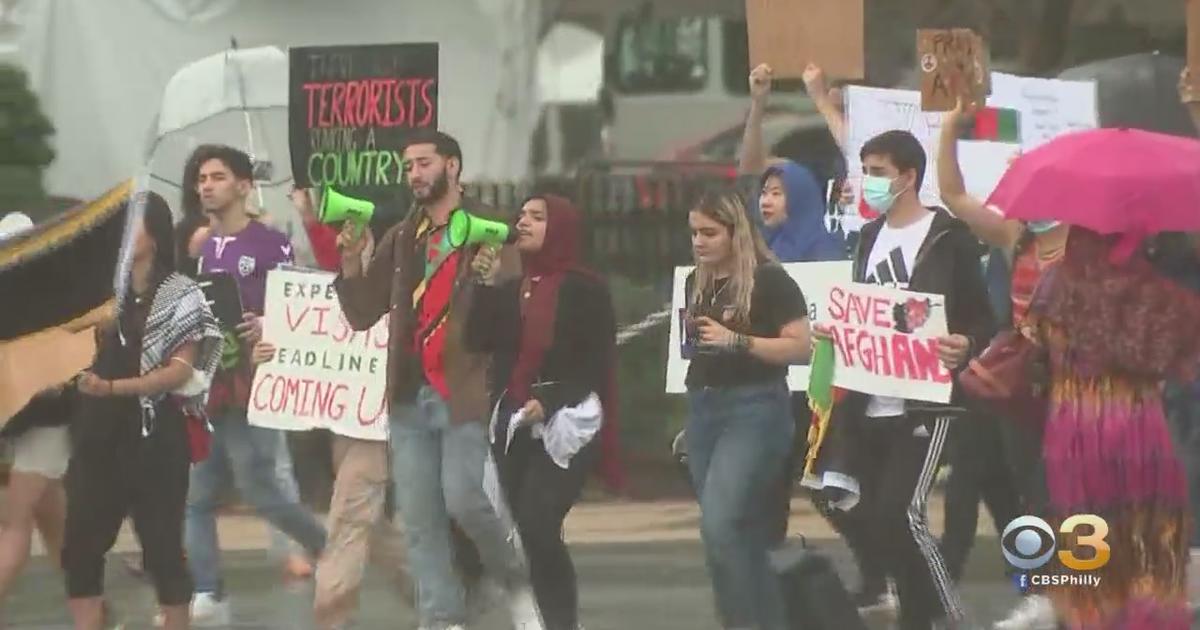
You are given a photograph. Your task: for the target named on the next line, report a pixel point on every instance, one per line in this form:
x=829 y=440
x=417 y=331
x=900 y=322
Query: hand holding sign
x=952 y=350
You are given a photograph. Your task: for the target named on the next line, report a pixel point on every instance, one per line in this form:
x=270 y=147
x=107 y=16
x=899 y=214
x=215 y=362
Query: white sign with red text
x=885 y=341
x=324 y=375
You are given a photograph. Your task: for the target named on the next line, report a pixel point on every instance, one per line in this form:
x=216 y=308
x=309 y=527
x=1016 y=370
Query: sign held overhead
x=789 y=34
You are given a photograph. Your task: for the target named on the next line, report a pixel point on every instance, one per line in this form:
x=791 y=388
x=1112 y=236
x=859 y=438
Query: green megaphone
x=468 y=229
x=336 y=207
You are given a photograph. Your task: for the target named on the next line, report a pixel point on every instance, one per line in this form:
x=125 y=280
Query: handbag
x=1012 y=375
x=813 y=592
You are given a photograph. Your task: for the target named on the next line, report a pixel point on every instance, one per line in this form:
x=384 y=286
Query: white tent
x=100 y=68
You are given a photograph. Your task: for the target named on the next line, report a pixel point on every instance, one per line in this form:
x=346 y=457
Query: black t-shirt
x=775 y=301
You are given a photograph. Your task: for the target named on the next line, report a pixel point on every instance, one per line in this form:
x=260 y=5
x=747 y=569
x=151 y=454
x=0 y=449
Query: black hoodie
x=948 y=264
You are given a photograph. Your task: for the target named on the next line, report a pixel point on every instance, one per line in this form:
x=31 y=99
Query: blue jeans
x=439 y=475
x=251 y=454
x=281 y=545
x=738 y=439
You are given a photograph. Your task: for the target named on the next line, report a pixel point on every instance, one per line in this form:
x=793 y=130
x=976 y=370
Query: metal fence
x=636 y=224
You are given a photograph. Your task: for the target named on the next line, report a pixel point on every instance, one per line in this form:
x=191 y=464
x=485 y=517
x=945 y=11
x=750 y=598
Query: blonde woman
x=746 y=322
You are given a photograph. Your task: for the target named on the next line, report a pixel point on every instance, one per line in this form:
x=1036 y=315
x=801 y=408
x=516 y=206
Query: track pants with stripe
x=898 y=459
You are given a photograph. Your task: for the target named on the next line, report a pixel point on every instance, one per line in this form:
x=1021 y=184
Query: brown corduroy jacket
x=386 y=287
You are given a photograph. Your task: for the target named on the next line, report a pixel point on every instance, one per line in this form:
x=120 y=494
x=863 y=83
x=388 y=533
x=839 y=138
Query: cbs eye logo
x=1028 y=542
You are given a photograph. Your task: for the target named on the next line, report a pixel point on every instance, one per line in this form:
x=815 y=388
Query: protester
x=247 y=250
x=552 y=335
x=132 y=443
x=747 y=321
x=891 y=447
x=790 y=208
x=438 y=387
x=984 y=451
x=37 y=435
x=1114 y=331
x=1028 y=251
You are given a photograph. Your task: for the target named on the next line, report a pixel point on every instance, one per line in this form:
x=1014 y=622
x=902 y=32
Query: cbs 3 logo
x=1028 y=542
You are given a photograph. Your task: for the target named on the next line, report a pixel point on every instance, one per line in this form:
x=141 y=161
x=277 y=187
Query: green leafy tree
x=25 y=149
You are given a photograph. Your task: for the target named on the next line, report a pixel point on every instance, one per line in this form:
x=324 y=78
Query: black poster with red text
x=350 y=108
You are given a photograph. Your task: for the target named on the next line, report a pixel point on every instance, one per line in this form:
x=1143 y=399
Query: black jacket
x=577 y=363
x=45 y=410
x=948 y=264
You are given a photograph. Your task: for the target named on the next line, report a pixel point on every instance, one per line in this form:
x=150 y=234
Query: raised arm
x=818 y=90
x=987 y=225
x=754 y=153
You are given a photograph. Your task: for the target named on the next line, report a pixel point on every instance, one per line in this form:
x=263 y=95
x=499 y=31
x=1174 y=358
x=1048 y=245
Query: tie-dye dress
x=1114 y=333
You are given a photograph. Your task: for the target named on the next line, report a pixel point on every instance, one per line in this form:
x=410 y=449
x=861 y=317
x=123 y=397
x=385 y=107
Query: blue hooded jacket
x=803 y=237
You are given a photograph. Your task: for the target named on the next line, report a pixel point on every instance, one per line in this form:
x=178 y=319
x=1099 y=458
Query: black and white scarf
x=180 y=315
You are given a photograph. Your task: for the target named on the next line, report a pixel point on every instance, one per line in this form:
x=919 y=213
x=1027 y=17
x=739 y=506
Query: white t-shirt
x=890 y=264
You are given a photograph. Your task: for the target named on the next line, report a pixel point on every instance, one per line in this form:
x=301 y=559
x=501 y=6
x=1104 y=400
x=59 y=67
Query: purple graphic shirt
x=247 y=256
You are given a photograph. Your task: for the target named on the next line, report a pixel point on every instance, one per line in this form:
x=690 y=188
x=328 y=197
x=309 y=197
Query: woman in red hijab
x=552 y=335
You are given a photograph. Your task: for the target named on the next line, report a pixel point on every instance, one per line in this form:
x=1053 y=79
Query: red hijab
x=544 y=272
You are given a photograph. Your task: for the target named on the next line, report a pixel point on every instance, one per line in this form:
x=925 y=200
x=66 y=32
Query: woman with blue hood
x=791 y=215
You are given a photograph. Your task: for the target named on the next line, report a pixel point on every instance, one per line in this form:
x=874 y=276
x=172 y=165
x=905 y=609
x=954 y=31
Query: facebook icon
x=1021 y=581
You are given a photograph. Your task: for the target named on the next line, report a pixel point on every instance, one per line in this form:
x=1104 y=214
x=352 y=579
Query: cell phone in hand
x=221 y=291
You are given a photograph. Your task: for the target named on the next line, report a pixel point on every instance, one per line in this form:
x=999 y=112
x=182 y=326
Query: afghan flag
x=822 y=396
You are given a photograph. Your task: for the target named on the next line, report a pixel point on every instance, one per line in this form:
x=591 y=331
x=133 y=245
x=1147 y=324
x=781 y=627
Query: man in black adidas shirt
x=894 y=445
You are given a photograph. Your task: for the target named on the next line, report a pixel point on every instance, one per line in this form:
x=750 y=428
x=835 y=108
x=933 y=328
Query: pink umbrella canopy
x=1111 y=181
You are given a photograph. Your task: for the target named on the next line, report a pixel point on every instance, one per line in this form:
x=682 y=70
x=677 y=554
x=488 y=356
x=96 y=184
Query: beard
x=437 y=189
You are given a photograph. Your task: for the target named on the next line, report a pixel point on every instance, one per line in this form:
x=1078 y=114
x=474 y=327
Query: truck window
x=662 y=55
x=735 y=72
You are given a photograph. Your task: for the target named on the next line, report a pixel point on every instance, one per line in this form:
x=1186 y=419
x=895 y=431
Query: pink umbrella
x=1111 y=181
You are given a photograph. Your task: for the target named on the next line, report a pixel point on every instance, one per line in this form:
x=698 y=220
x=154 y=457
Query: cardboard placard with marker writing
x=788 y=34
x=350 y=108
x=954 y=64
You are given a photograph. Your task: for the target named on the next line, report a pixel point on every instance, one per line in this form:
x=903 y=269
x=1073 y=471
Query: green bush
x=650 y=418
x=24 y=142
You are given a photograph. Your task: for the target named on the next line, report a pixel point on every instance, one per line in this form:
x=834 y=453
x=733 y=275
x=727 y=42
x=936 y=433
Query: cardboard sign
x=324 y=375
x=350 y=108
x=814 y=279
x=885 y=341
x=954 y=65
x=788 y=34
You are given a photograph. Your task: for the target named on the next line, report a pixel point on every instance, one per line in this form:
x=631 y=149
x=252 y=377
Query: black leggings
x=540 y=493
x=114 y=473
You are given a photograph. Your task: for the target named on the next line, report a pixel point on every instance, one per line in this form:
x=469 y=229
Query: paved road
x=638 y=585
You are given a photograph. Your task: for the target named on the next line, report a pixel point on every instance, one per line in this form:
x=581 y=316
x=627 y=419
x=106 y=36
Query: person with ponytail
x=132 y=444
x=747 y=321
x=552 y=336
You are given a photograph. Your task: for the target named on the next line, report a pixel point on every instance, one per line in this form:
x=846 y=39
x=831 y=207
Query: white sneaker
x=210 y=612
x=1035 y=612
x=524 y=610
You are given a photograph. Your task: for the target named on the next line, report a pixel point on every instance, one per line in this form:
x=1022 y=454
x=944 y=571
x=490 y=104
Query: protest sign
x=1045 y=108
x=324 y=375
x=953 y=65
x=788 y=34
x=885 y=341
x=350 y=108
x=814 y=279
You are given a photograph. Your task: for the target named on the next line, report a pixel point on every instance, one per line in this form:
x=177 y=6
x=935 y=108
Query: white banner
x=1046 y=108
x=324 y=375
x=814 y=279
x=885 y=341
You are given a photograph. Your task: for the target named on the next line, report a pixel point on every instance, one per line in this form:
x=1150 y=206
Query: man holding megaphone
x=418 y=276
